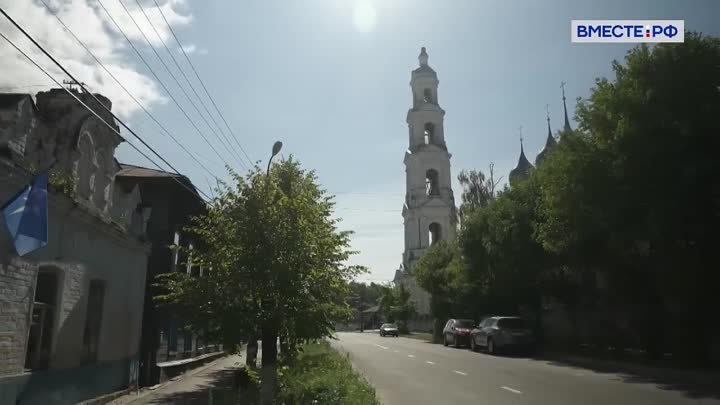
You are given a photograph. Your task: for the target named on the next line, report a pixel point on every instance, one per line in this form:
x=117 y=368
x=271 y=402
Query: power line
x=212 y=100
x=182 y=89
x=182 y=72
x=93 y=96
x=125 y=89
x=161 y=82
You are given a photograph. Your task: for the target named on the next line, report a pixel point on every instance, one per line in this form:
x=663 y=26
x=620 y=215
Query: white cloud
x=91 y=24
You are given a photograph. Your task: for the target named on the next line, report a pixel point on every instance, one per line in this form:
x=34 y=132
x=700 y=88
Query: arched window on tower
x=429 y=133
x=434 y=233
x=427 y=96
x=431 y=182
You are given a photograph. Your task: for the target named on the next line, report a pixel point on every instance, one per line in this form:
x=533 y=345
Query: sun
x=364 y=16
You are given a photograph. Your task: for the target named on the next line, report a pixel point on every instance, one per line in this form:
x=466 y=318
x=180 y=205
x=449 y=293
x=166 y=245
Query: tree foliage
x=273 y=259
x=616 y=222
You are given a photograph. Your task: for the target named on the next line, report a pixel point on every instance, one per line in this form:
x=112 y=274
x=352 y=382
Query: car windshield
x=464 y=323
x=512 y=323
x=390 y=326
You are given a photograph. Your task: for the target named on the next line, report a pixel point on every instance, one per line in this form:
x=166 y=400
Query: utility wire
x=194 y=192
x=162 y=61
x=202 y=83
x=182 y=72
x=161 y=82
x=126 y=90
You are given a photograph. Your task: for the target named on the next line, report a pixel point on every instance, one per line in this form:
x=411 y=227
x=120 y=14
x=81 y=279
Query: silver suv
x=503 y=332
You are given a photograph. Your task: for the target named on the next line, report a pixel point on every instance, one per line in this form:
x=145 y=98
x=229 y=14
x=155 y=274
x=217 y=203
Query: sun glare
x=364 y=16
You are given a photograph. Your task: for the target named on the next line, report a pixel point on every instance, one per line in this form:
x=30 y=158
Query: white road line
x=511 y=390
x=459 y=372
x=429 y=362
x=412 y=356
x=382 y=347
x=395 y=351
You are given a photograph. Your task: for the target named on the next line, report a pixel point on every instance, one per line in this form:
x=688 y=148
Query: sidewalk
x=193 y=388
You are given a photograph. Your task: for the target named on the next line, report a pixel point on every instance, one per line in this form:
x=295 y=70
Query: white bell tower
x=429 y=211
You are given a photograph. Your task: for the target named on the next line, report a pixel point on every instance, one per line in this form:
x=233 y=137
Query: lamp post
x=275 y=150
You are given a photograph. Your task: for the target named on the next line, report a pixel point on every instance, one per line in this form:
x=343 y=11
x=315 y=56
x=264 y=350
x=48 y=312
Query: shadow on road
x=221 y=382
x=695 y=384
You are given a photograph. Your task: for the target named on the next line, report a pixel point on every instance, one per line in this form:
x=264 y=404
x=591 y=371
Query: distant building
x=429 y=211
x=172 y=206
x=72 y=310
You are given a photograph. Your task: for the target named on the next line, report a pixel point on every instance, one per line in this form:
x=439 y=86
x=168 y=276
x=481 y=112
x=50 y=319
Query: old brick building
x=70 y=312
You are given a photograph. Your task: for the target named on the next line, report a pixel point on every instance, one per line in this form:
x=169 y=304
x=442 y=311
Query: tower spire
x=521 y=140
x=547 y=116
x=423 y=57
x=567 y=121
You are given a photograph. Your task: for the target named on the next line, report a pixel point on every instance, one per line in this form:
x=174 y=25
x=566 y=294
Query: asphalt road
x=411 y=372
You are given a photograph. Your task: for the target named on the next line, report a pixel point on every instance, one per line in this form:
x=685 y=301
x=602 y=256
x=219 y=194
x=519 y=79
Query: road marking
x=395 y=351
x=429 y=362
x=412 y=356
x=511 y=390
x=382 y=347
x=459 y=372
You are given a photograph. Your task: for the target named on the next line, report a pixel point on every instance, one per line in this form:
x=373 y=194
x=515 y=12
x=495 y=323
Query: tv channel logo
x=627 y=31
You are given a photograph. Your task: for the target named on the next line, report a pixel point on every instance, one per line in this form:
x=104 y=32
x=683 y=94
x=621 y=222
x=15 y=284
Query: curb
x=132 y=397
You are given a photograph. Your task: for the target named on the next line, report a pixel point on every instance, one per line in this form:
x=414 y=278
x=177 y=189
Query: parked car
x=457 y=332
x=389 y=329
x=503 y=332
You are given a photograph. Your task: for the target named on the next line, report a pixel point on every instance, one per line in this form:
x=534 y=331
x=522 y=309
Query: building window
x=431 y=182
x=429 y=133
x=435 y=235
x=93 y=320
x=427 y=96
x=42 y=321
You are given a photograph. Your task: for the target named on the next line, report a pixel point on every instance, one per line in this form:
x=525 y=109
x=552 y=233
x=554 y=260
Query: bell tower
x=429 y=211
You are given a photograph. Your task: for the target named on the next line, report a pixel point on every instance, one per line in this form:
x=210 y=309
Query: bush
x=319 y=375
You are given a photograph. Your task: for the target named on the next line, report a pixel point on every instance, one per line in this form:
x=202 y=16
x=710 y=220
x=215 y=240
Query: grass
x=319 y=375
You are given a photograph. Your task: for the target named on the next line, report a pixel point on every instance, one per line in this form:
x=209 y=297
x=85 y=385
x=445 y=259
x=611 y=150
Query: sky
x=330 y=79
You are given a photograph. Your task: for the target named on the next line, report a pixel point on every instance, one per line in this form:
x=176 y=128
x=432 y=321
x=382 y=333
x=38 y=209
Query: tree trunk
x=252 y=350
x=268 y=373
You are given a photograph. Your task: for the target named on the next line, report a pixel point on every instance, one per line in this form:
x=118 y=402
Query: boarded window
x=93 y=320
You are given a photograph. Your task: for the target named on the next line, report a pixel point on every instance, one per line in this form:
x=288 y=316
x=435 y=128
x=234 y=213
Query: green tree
x=439 y=272
x=634 y=197
x=275 y=260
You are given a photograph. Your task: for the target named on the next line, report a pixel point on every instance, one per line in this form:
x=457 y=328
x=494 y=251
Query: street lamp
x=275 y=150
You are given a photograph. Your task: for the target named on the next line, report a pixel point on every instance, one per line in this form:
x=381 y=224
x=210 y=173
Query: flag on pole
x=26 y=216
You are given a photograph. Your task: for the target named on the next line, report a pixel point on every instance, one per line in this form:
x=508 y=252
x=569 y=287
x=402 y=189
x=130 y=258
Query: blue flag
x=26 y=216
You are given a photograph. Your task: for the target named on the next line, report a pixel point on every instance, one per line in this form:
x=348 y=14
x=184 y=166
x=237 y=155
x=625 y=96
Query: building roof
x=550 y=144
x=127 y=170
x=523 y=167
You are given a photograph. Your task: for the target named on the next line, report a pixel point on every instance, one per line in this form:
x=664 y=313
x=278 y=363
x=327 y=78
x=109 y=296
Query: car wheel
x=491 y=346
x=445 y=340
x=472 y=344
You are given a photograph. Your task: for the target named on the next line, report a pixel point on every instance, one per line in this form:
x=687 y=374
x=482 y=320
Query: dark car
x=503 y=332
x=457 y=332
x=389 y=329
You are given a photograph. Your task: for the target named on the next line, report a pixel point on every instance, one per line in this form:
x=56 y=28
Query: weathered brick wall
x=16 y=284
